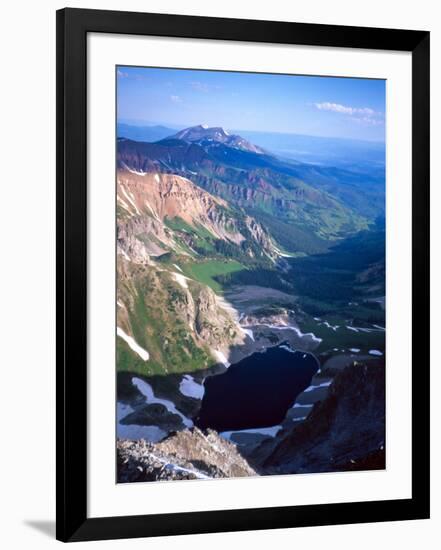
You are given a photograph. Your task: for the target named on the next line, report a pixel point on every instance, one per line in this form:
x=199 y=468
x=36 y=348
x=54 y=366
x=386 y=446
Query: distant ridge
x=146 y=133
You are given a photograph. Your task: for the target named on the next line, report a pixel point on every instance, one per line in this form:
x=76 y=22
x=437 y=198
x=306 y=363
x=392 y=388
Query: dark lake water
x=257 y=391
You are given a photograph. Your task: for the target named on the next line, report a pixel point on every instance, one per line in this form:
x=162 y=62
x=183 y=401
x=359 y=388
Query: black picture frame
x=73 y=25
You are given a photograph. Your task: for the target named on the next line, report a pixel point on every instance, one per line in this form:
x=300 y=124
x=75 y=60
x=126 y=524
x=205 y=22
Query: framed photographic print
x=242 y=274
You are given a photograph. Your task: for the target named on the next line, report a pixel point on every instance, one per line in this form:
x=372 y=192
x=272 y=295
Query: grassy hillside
x=207 y=272
x=156 y=307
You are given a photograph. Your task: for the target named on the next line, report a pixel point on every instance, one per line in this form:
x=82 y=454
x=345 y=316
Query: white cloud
x=368 y=121
x=122 y=74
x=338 y=108
x=198 y=86
x=175 y=99
x=362 y=115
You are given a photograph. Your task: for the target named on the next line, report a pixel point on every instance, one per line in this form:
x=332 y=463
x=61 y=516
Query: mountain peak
x=212 y=135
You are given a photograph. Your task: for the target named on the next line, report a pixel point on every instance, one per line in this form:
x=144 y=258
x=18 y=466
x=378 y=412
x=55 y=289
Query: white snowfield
x=375 y=352
x=176 y=468
x=248 y=332
x=130 y=199
x=299 y=333
x=124 y=204
x=190 y=388
x=270 y=431
x=147 y=392
x=323 y=385
x=354 y=350
x=124 y=254
x=144 y=354
x=364 y=329
x=135 y=431
x=284 y=346
x=332 y=327
x=137 y=172
x=181 y=279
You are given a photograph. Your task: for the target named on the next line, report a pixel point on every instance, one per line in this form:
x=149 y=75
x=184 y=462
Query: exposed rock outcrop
x=190 y=454
x=346 y=428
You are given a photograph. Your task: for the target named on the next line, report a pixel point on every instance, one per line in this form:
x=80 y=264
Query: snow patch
x=354 y=350
x=322 y=385
x=124 y=204
x=147 y=392
x=190 y=388
x=299 y=333
x=332 y=327
x=132 y=171
x=270 y=431
x=124 y=253
x=181 y=279
x=129 y=198
x=248 y=332
x=284 y=346
x=375 y=352
x=135 y=431
x=174 y=467
x=144 y=354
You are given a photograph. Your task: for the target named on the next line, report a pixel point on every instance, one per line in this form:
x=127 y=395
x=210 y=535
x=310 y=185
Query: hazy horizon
x=313 y=106
x=151 y=124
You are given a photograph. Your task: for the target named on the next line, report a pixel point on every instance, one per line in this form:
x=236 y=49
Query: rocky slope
x=178 y=321
x=190 y=454
x=255 y=181
x=345 y=430
x=163 y=212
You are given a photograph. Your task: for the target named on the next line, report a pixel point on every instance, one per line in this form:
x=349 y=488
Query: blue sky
x=320 y=106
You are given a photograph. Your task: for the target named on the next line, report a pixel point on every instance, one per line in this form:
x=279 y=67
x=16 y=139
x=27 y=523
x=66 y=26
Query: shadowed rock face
x=344 y=431
x=154 y=415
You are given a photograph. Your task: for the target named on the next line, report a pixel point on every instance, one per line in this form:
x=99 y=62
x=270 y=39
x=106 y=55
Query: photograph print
x=250 y=274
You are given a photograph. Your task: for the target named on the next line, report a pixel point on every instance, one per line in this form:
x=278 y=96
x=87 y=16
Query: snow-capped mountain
x=203 y=134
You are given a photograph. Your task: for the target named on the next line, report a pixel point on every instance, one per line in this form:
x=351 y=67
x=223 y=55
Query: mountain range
x=202 y=209
x=226 y=249
x=319 y=203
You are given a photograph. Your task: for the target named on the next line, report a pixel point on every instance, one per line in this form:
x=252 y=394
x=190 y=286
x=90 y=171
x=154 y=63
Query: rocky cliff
x=190 y=454
x=344 y=431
